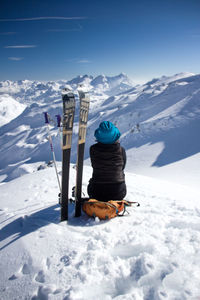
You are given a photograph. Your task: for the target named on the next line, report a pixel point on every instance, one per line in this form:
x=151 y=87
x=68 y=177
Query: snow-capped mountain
x=159 y=122
x=26 y=91
x=112 y=85
x=9 y=109
x=107 y=84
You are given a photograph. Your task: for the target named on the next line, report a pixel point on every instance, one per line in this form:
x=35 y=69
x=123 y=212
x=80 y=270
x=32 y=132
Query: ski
x=83 y=118
x=68 y=99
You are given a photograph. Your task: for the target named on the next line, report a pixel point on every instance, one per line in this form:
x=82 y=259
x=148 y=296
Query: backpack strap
x=127 y=203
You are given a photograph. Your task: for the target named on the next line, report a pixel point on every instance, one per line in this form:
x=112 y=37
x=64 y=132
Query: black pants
x=106 y=191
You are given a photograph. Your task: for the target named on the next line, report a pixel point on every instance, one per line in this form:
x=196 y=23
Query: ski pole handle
x=59 y=128
x=58 y=120
x=46 y=117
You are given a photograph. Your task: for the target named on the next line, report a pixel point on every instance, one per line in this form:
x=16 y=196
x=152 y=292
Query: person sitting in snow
x=108 y=161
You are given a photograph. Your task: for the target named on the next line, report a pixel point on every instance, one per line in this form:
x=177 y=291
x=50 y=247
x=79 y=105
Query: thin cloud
x=20 y=46
x=78 y=61
x=7 y=33
x=15 y=58
x=84 y=61
x=42 y=18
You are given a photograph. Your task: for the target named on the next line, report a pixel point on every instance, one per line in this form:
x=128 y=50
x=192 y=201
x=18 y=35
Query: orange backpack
x=105 y=210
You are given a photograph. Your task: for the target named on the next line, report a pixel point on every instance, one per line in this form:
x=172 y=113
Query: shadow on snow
x=28 y=224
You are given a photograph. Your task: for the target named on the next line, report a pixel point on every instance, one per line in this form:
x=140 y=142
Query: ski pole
x=51 y=146
x=59 y=126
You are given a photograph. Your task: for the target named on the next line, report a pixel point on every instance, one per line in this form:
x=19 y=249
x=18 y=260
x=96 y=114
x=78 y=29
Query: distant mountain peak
x=80 y=79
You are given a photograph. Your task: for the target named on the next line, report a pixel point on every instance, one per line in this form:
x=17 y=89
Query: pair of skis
x=68 y=99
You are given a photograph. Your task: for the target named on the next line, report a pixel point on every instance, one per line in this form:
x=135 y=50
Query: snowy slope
x=159 y=122
x=9 y=109
x=153 y=253
x=25 y=138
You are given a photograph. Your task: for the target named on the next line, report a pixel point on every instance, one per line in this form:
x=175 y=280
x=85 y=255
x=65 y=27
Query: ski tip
x=84 y=95
x=82 y=89
x=66 y=90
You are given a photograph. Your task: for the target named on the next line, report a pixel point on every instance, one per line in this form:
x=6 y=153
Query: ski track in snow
x=153 y=253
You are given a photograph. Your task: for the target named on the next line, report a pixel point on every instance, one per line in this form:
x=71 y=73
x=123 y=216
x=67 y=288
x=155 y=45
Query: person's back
x=108 y=160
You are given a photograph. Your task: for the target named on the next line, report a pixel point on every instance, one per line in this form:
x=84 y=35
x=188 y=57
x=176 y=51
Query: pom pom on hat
x=107 y=133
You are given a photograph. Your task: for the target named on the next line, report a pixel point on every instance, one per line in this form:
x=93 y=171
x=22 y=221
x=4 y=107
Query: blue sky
x=51 y=40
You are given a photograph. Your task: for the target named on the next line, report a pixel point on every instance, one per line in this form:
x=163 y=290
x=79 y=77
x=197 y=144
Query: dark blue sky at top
x=143 y=38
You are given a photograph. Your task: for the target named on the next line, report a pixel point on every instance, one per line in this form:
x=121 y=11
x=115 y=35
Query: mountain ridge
x=151 y=117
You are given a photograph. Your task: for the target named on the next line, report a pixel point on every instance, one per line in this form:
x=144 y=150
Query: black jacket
x=108 y=162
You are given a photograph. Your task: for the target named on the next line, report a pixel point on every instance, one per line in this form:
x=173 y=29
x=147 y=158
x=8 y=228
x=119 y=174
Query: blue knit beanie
x=107 y=133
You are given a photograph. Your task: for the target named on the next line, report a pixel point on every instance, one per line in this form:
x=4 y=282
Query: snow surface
x=9 y=109
x=153 y=253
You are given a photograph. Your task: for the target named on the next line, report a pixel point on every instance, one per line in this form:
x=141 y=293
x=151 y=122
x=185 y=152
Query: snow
x=9 y=109
x=152 y=253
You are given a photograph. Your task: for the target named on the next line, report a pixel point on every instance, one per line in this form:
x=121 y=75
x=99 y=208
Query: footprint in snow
x=13 y=277
x=26 y=269
x=44 y=291
x=40 y=277
x=67 y=259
